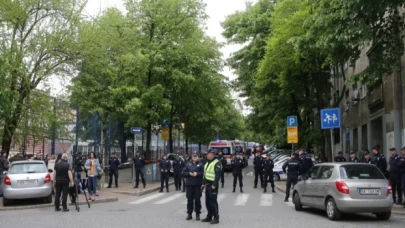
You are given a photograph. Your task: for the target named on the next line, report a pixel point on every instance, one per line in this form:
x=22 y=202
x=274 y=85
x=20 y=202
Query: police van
x=227 y=150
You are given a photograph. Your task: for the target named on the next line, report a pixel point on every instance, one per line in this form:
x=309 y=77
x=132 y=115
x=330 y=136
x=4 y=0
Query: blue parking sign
x=330 y=118
x=292 y=121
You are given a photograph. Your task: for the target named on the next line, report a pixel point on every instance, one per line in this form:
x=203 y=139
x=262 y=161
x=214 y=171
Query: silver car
x=26 y=180
x=345 y=188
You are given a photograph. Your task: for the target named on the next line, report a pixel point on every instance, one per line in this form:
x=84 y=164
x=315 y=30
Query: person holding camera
x=93 y=171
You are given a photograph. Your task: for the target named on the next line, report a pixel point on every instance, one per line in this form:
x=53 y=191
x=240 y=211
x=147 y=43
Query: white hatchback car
x=26 y=180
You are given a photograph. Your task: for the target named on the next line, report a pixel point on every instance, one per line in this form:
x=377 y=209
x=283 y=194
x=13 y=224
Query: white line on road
x=241 y=200
x=221 y=197
x=148 y=198
x=171 y=198
x=266 y=200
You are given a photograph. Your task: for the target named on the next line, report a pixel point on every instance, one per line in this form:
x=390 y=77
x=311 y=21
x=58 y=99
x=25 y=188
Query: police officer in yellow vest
x=212 y=174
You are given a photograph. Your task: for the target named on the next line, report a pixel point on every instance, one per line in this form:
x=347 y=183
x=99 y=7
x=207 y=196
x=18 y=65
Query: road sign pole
x=332 y=143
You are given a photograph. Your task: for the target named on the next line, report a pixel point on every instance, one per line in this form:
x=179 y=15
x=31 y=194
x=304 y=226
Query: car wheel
x=297 y=202
x=332 y=211
x=276 y=177
x=48 y=199
x=383 y=216
x=7 y=202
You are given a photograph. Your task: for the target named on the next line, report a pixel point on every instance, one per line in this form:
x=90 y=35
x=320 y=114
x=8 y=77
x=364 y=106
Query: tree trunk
x=199 y=147
x=170 y=137
x=105 y=136
x=186 y=145
x=148 y=139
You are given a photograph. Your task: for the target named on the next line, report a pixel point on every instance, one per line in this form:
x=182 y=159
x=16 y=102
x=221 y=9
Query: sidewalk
x=281 y=186
x=106 y=195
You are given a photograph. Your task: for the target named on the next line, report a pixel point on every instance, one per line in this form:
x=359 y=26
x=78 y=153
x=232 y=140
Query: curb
x=393 y=211
x=16 y=208
x=142 y=192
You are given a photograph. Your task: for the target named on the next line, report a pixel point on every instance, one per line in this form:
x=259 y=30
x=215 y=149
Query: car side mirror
x=50 y=170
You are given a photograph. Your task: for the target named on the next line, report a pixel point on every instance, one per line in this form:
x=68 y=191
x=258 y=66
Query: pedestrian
x=268 y=166
x=306 y=162
x=395 y=176
x=339 y=157
x=258 y=167
x=401 y=165
x=63 y=179
x=4 y=165
x=38 y=157
x=113 y=170
x=353 y=157
x=237 y=165
x=139 y=164
x=93 y=169
x=46 y=160
x=317 y=159
x=212 y=174
x=193 y=172
x=379 y=160
x=366 y=158
x=165 y=167
x=220 y=158
x=294 y=167
x=178 y=166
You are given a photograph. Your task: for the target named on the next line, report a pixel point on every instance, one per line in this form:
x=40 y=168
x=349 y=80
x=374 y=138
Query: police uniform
x=395 y=177
x=380 y=162
x=237 y=165
x=294 y=166
x=212 y=174
x=317 y=159
x=258 y=166
x=178 y=166
x=268 y=166
x=139 y=164
x=193 y=186
x=113 y=171
x=401 y=165
x=339 y=158
x=306 y=163
x=355 y=159
x=221 y=159
x=164 y=167
x=364 y=160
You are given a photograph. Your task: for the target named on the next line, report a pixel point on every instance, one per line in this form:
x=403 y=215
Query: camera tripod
x=76 y=189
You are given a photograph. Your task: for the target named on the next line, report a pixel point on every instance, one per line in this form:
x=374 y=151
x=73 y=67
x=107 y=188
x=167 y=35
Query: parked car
x=26 y=180
x=345 y=188
x=171 y=158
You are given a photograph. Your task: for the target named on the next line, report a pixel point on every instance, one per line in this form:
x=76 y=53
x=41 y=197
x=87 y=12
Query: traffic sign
x=165 y=133
x=292 y=135
x=165 y=123
x=292 y=121
x=136 y=130
x=330 y=118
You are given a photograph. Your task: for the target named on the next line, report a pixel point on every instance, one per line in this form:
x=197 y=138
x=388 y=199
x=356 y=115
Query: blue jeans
x=92 y=185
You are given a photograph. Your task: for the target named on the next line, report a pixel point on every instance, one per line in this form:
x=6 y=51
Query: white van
x=227 y=150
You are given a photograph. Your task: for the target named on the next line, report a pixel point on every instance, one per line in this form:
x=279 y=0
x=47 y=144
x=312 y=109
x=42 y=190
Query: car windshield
x=360 y=172
x=225 y=150
x=27 y=168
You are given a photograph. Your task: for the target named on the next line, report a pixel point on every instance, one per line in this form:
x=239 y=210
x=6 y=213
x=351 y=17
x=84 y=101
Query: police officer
x=366 y=158
x=237 y=165
x=401 y=165
x=317 y=159
x=113 y=170
x=353 y=157
x=339 y=157
x=258 y=166
x=139 y=164
x=221 y=159
x=193 y=172
x=395 y=176
x=164 y=167
x=294 y=167
x=379 y=159
x=212 y=174
x=268 y=166
x=306 y=162
x=178 y=166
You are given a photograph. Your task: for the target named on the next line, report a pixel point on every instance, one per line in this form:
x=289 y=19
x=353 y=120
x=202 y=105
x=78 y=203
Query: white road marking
x=266 y=200
x=241 y=200
x=148 y=198
x=221 y=197
x=171 y=198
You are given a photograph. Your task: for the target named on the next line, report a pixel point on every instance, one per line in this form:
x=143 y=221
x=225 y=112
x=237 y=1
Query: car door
x=320 y=186
x=308 y=186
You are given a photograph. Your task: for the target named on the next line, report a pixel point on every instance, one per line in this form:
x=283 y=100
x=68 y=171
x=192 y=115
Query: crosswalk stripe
x=171 y=198
x=266 y=200
x=221 y=197
x=241 y=200
x=148 y=198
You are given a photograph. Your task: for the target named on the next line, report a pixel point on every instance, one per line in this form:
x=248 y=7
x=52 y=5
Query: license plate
x=27 y=182
x=370 y=191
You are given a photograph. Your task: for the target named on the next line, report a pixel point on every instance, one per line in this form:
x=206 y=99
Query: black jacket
x=222 y=160
x=3 y=164
x=306 y=163
x=165 y=165
x=114 y=164
x=268 y=166
x=294 y=167
x=354 y=160
x=380 y=162
x=178 y=166
x=339 y=159
x=394 y=164
x=237 y=165
x=401 y=165
x=197 y=167
x=258 y=163
x=139 y=162
x=370 y=161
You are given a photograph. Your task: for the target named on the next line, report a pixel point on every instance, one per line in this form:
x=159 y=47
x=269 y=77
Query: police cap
x=210 y=151
x=403 y=148
x=294 y=154
x=366 y=153
x=195 y=154
x=352 y=152
x=393 y=149
x=340 y=152
x=376 y=147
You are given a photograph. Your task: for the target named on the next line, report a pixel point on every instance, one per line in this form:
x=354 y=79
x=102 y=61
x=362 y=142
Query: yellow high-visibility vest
x=209 y=170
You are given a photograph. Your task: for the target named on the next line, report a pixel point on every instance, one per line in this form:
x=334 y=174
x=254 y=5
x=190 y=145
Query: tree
x=37 y=41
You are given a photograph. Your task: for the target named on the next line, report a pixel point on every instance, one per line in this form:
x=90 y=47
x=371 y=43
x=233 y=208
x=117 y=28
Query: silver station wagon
x=345 y=188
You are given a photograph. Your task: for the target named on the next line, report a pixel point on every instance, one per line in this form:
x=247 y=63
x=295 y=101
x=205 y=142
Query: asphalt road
x=250 y=209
